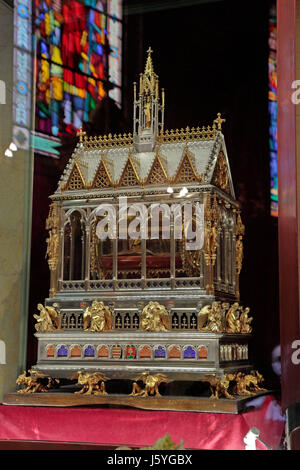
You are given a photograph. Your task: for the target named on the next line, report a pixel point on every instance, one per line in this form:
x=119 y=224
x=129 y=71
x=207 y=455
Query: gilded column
x=239 y=233
x=219 y=254
x=212 y=215
x=53 y=245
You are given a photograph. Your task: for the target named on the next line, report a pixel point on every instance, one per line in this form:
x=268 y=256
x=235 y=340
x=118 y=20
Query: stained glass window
x=273 y=112
x=78 y=51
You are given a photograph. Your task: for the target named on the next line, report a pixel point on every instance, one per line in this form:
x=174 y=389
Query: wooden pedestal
x=166 y=403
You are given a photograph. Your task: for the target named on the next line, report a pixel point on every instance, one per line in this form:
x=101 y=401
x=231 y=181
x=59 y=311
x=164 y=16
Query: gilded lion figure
x=36 y=382
x=97 y=317
x=92 y=383
x=155 y=317
x=151 y=384
x=219 y=387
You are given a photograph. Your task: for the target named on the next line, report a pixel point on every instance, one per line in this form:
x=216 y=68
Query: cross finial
x=149 y=50
x=81 y=134
x=219 y=121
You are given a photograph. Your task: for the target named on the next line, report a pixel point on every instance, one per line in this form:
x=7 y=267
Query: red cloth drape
x=142 y=428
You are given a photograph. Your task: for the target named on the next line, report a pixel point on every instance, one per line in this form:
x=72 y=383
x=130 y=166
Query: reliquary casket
x=124 y=304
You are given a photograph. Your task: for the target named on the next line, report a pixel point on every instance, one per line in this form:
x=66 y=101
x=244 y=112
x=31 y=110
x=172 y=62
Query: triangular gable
x=186 y=172
x=102 y=177
x=129 y=176
x=221 y=175
x=157 y=174
x=75 y=180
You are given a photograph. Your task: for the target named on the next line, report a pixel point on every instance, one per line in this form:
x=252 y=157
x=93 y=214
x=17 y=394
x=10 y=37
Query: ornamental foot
x=230 y=397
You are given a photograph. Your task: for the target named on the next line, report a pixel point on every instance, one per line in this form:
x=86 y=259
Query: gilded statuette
x=223 y=317
x=92 y=383
x=155 y=317
x=210 y=318
x=97 y=317
x=36 y=382
x=151 y=384
x=218 y=386
x=48 y=320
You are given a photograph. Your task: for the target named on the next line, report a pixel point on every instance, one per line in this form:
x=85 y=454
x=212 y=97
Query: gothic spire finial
x=148 y=115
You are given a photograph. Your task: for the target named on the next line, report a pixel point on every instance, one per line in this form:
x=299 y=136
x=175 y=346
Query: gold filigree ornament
x=76 y=179
x=130 y=175
x=221 y=175
x=155 y=317
x=151 y=384
x=187 y=134
x=108 y=141
x=97 y=317
x=52 y=221
x=102 y=177
x=211 y=217
x=186 y=172
x=191 y=258
x=157 y=174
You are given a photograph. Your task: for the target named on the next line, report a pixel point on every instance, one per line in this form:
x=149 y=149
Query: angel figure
x=97 y=317
x=52 y=248
x=211 y=240
x=151 y=383
x=245 y=321
x=92 y=383
x=210 y=318
x=36 y=382
x=239 y=254
x=155 y=317
x=232 y=319
x=48 y=319
x=147 y=111
x=225 y=306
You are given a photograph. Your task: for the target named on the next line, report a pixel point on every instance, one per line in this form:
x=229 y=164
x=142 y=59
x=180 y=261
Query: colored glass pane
x=78 y=49
x=273 y=111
